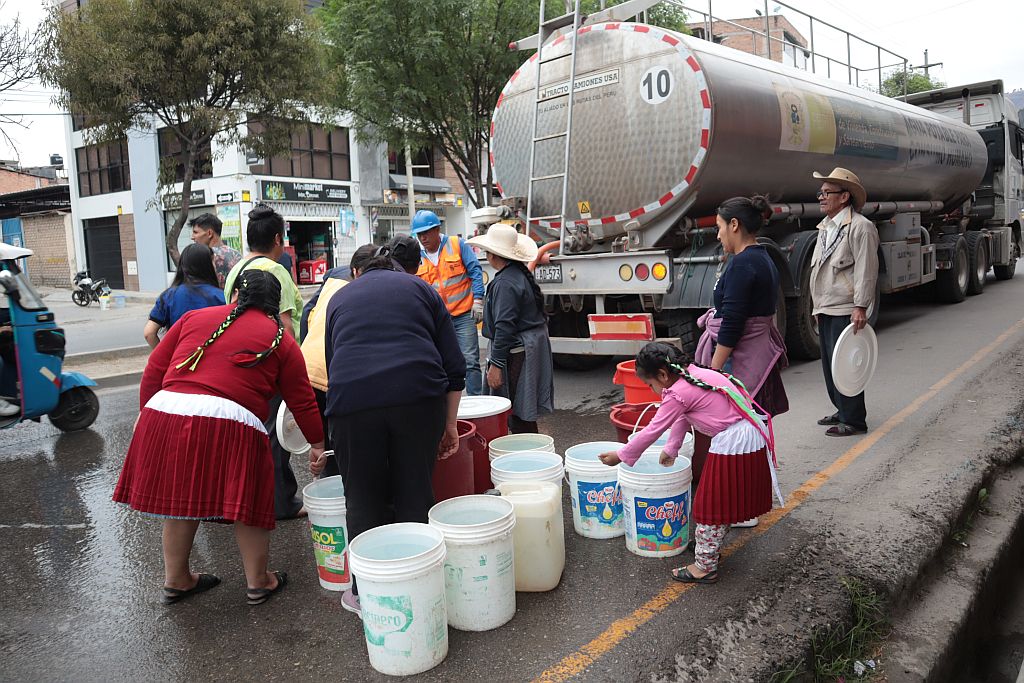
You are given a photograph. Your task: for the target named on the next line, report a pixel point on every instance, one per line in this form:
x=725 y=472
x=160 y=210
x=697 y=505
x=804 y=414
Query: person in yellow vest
x=314 y=322
x=451 y=268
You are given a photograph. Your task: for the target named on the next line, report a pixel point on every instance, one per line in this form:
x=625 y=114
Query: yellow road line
x=621 y=629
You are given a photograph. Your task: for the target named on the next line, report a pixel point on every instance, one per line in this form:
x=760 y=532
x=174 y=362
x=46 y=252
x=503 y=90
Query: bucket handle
x=644 y=412
x=479 y=438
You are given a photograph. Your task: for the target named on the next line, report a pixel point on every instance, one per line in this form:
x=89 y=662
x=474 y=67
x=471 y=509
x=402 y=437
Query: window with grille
x=103 y=168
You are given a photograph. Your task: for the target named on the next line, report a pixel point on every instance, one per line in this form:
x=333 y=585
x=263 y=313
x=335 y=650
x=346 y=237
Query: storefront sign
x=231 y=234
x=277 y=190
x=195 y=198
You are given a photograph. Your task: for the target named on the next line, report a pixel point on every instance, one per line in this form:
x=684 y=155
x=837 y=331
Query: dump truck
x=616 y=143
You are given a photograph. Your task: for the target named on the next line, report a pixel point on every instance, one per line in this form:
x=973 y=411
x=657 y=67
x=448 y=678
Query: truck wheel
x=77 y=409
x=1006 y=272
x=684 y=326
x=801 y=332
x=951 y=283
x=977 y=258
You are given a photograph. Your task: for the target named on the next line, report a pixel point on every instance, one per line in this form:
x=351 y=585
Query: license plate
x=550 y=273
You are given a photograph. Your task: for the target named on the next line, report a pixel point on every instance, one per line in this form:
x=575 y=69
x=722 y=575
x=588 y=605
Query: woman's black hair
x=751 y=213
x=405 y=250
x=264 y=225
x=195 y=267
x=538 y=296
x=361 y=258
x=259 y=290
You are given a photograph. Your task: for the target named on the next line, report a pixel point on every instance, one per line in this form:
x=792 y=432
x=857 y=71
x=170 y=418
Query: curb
x=118 y=381
x=77 y=359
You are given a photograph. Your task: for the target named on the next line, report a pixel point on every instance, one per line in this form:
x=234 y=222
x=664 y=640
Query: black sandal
x=204 y=583
x=829 y=420
x=258 y=596
x=683 y=575
x=844 y=430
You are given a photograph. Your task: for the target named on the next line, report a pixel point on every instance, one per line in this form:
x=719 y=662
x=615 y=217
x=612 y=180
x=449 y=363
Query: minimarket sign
x=282 y=191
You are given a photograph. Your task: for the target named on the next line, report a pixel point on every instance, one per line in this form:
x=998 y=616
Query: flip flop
x=683 y=574
x=258 y=596
x=204 y=583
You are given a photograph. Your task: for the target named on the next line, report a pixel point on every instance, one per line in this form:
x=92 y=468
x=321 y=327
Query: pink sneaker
x=350 y=603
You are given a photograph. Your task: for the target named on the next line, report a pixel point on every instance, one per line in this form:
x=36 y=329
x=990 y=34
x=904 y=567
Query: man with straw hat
x=519 y=366
x=844 y=273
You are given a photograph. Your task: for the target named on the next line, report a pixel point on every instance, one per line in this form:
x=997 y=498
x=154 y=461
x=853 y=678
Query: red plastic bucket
x=629 y=416
x=635 y=389
x=490 y=415
x=453 y=476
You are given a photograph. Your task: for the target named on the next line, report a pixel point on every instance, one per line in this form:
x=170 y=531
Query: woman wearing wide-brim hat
x=519 y=366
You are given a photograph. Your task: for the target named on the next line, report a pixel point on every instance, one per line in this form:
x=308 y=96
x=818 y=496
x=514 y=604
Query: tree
x=428 y=73
x=893 y=85
x=200 y=68
x=17 y=66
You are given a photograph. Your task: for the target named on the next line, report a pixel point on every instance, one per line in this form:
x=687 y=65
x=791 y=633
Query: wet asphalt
x=80 y=575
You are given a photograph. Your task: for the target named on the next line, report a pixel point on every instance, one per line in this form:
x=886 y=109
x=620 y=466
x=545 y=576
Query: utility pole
x=926 y=65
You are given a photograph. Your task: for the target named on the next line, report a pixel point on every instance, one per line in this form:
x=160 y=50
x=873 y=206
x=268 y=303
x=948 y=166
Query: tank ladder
x=546 y=29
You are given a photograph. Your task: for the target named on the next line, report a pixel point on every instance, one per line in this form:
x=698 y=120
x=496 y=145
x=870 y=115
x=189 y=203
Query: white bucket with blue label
x=685 y=451
x=400 y=568
x=656 y=506
x=594 y=491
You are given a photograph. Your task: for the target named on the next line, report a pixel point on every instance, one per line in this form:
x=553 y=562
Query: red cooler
x=490 y=415
x=453 y=476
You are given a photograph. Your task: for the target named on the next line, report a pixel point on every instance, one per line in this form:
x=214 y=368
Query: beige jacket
x=845 y=274
x=313 y=345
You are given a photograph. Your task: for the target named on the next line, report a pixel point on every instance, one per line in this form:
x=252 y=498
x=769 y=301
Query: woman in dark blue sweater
x=395 y=376
x=740 y=335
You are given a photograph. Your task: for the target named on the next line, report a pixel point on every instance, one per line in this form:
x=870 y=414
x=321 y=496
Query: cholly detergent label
x=662 y=523
x=329 y=548
x=387 y=620
x=600 y=502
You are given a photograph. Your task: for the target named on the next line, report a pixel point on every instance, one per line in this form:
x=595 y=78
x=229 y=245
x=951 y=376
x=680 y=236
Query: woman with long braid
x=519 y=365
x=200 y=451
x=739 y=474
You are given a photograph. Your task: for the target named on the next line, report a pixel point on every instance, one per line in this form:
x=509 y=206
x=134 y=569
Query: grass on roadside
x=836 y=649
x=960 y=535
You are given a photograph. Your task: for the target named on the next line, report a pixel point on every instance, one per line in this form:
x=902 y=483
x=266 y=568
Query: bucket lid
x=289 y=434
x=854 y=360
x=396 y=552
x=475 y=407
x=527 y=461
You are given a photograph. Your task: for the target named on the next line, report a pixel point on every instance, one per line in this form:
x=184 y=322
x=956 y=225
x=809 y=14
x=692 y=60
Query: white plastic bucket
x=517 y=443
x=400 y=568
x=528 y=466
x=685 y=451
x=656 y=506
x=479 y=579
x=325 y=502
x=594 y=491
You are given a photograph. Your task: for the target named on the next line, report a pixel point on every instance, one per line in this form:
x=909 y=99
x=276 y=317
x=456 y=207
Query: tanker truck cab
x=997 y=205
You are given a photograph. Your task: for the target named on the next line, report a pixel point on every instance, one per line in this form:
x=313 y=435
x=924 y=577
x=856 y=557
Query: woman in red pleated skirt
x=738 y=476
x=200 y=451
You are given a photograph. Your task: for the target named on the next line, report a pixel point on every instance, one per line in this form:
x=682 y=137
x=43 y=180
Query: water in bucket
x=656 y=506
x=594 y=491
x=518 y=443
x=402 y=596
x=480 y=584
x=324 y=500
x=528 y=466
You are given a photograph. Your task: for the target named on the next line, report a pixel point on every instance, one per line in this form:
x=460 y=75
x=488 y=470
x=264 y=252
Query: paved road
x=79 y=576
x=91 y=329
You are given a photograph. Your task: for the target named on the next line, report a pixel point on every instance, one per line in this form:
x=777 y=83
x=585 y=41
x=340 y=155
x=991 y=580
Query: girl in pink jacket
x=738 y=477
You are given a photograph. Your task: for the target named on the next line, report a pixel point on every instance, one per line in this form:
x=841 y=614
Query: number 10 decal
x=656 y=85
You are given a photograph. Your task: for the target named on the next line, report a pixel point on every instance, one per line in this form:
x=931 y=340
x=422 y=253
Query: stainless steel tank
x=663 y=121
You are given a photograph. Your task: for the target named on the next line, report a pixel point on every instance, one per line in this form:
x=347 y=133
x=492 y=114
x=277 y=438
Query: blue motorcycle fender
x=71 y=379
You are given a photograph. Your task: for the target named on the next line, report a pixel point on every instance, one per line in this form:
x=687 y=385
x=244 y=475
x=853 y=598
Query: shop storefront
x=320 y=224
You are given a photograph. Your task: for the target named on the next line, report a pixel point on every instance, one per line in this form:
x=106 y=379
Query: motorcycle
x=31 y=355
x=88 y=290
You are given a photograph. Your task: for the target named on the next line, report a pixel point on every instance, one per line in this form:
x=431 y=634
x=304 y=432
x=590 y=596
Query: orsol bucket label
x=600 y=502
x=330 y=549
x=662 y=523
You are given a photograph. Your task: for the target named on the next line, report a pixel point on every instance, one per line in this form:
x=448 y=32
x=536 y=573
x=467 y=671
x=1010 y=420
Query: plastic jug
x=539 y=534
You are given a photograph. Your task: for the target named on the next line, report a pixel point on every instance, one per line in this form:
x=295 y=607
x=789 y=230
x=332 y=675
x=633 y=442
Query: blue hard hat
x=424 y=220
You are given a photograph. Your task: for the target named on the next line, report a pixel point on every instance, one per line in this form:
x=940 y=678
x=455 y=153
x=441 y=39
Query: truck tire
x=683 y=324
x=977 y=261
x=801 y=333
x=951 y=283
x=1005 y=272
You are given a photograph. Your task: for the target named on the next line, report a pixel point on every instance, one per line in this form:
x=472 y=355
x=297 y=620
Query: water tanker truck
x=663 y=127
